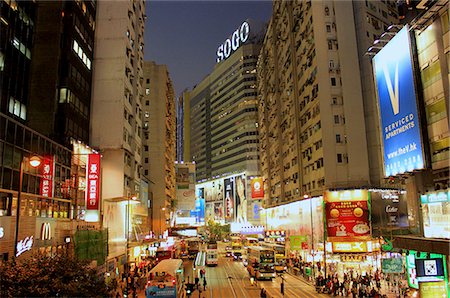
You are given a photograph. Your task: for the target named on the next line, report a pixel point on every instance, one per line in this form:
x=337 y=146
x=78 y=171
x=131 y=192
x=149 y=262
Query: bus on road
x=280 y=256
x=164 y=253
x=211 y=253
x=166 y=280
x=260 y=262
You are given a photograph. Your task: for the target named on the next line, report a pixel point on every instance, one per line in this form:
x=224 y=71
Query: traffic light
x=189 y=289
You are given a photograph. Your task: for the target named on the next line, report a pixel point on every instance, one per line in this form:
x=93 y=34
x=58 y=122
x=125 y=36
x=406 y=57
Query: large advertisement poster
x=241 y=199
x=401 y=134
x=257 y=188
x=209 y=211
x=436 y=214
x=389 y=210
x=218 y=211
x=347 y=214
x=229 y=199
x=47 y=173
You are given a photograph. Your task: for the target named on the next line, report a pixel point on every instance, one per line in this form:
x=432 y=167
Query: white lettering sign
x=239 y=37
x=24 y=245
x=2 y=232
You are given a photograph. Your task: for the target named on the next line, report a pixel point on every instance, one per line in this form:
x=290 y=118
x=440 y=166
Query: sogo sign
x=238 y=37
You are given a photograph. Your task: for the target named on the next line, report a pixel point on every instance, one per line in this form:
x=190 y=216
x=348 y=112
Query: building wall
x=312 y=112
x=117 y=108
x=223 y=117
x=159 y=146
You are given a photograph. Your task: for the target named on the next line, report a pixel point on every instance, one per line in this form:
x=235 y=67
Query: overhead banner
x=401 y=133
x=47 y=171
x=347 y=214
x=257 y=188
x=93 y=188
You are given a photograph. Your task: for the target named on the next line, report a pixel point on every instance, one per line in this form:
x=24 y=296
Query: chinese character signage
x=257 y=188
x=401 y=134
x=347 y=214
x=47 y=171
x=93 y=184
x=392 y=265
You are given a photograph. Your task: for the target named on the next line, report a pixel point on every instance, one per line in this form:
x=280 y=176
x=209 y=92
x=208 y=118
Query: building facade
x=183 y=127
x=116 y=121
x=159 y=143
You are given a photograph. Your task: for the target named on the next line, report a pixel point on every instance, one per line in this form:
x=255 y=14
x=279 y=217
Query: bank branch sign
x=402 y=144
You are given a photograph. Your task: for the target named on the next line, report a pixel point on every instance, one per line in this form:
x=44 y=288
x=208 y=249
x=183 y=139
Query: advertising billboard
x=257 y=188
x=229 y=201
x=47 y=170
x=347 y=214
x=241 y=199
x=401 y=133
x=436 y=214
x=433 y=289
x=389 y=210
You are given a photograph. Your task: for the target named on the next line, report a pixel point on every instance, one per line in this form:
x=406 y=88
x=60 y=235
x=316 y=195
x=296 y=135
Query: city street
x=230 y=279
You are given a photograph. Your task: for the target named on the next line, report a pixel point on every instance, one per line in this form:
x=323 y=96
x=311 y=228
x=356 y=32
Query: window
x=148 y=81
x=327 y=11
x=147 y=102
x=147 y=91
x=328 y=28
x=338 y=138
x=333 y=81
x=336 y=119
x=146 y=160
x=145 y=148
x=339 y=158
x=330 y=45
x=146 y=172
x=17 y=108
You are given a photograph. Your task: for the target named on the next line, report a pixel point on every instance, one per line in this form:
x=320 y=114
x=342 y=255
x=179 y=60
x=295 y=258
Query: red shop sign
x=93 y=182
x=47 y=170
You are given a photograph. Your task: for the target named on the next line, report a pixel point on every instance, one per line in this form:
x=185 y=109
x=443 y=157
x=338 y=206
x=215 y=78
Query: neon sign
x=24 y=245
x=239 y=37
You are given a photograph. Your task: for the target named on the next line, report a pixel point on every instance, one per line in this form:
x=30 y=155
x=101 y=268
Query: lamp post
x=34 y=161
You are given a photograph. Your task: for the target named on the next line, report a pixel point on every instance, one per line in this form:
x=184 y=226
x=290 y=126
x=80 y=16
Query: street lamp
x=34 y=161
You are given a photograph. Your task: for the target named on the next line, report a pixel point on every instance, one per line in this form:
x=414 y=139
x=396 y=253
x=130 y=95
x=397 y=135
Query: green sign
x=296 y=241
x=393 y=265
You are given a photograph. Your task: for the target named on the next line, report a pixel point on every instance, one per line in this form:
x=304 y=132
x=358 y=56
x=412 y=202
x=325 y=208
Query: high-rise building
x=159 y=142
x=116 y=117
x=311 y=102
x=183 y=127
x=61 y=71
x=224 y=142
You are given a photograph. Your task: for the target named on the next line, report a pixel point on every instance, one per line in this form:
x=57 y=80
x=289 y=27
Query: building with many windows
x=116 y=121
x=311 y=102
x=159 y=142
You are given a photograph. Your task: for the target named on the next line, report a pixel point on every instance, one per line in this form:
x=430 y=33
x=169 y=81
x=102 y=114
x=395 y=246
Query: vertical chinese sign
x=47 y=171
x=93 y=188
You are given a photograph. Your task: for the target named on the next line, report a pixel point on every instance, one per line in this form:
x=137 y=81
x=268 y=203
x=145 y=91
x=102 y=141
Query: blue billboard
x=400 y=125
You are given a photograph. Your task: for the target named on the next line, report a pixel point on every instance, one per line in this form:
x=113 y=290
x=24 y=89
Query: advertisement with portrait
x=209 y=211
x=257 y=187
x=241 y=199
x=389 y=210
x=229 y=200
x=218 y=211
x=436 y=214
x=347 y=214
x=400 y=123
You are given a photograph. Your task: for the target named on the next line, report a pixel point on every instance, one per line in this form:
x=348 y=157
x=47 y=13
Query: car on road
x=237 y=256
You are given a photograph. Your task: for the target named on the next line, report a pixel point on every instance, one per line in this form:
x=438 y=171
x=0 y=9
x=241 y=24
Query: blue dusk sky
x=185 y=35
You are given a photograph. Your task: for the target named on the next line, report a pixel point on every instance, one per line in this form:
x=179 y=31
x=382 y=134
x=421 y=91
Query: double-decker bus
x=211 y=254
x=193 y=245
x=236 y=248
x=260 y=262
x=166 y=280
x=165 y=253
x=249 y=241
x=280 y=255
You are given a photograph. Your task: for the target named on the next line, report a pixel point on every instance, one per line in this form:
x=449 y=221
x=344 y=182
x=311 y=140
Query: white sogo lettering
x=2 y=232
x=238 y=37
x=24 y=245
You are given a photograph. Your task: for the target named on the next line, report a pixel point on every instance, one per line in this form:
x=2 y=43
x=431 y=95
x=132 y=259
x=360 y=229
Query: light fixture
x=35 y=161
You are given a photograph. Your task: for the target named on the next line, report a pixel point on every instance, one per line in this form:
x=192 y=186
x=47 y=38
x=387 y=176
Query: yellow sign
x=356 y=246
x=346 y=195
x=433 y=289
x=353 y=258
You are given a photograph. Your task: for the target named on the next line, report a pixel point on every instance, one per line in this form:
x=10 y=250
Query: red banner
x=93 y=182
x=347 y=219
x=257 y=188
x=47 y=170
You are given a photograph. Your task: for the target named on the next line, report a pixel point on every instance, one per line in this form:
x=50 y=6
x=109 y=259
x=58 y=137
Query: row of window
x=81 y=54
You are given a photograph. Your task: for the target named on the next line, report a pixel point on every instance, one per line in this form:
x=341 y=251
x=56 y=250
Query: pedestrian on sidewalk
x=263 y=293
x=204 y=284
x=197 y=280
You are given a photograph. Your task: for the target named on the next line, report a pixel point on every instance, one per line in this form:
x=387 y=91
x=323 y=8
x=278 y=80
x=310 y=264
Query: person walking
x=204 y=284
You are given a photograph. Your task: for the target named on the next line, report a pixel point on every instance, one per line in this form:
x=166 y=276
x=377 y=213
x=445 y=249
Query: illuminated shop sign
x=229 y=199
x=356 y=246
x=47 y=172
x=351 y=258
x=46 y=231
x=239 y=37
x=425 y=267
x=257 y=188
x=392 y=265
x=252 y=230
x=93 y=188
x=433 y=289
x=389 y=208
x=24 y=245
x=402 y=143
x=436 y=216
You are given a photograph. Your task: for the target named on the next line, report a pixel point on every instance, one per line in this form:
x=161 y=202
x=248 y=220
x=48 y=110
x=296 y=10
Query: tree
x=217 y=231
x=44 y=276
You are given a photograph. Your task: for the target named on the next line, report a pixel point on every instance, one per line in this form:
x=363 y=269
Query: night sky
x=185 y=35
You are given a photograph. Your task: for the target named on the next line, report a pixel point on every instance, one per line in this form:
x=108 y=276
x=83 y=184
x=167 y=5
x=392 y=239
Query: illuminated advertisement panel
x=347 y=214
x=401 y=134
x=433 y=289
x=229 y=199
x=436 y=214
x=93 y=188
x=257 y=188
x=241 y=199
x=47 y=170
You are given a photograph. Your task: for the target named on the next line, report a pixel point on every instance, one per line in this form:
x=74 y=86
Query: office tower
x=116 y=117
x=183 y=127
x=61 y=71
x=311 y=101
x=159 y=142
